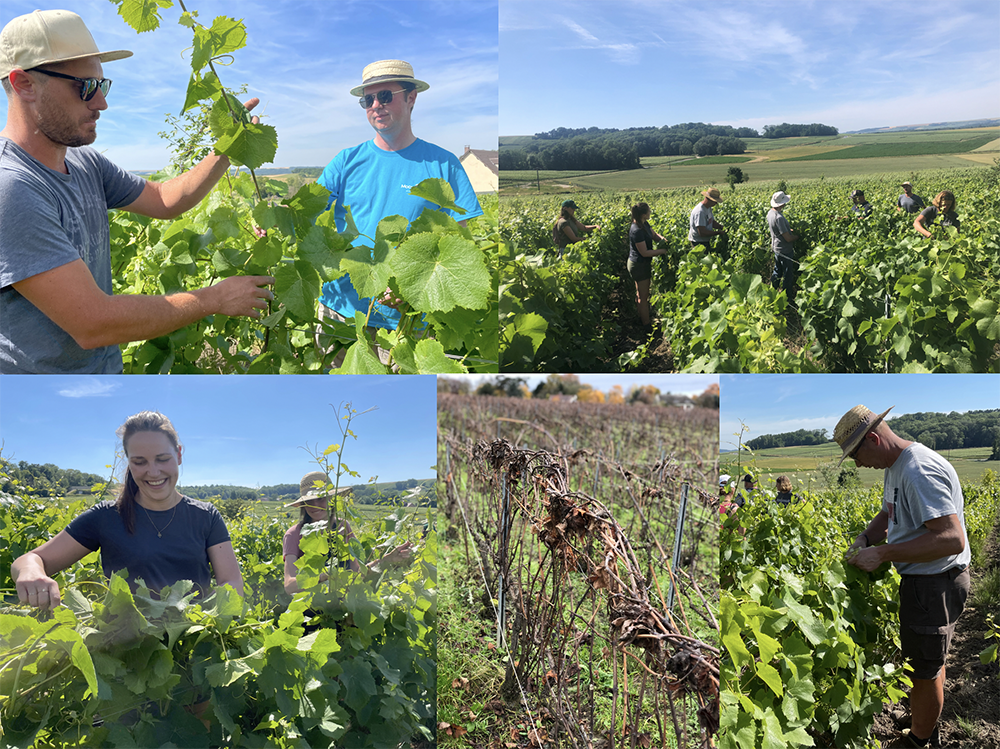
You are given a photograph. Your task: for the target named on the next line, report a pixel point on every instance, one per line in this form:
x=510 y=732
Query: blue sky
x=772 y=404
x=302 y=58
x=853 y=64
x=245 y=431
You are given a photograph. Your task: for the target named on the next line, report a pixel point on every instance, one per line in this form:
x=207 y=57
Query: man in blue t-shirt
x=909 y=201
x=374 y=179
x=57 y=311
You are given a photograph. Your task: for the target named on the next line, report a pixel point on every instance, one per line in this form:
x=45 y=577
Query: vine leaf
x=440 y=272
x=224 y=37
x=142 y=15
x=297 y=286
x=438 y=192
x=251 y=146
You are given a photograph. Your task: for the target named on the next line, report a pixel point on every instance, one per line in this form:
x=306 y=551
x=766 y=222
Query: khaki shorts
x=929 y=607
x=325 y=343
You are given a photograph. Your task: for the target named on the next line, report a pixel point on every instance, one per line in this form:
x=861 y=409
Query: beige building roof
x=483 y=169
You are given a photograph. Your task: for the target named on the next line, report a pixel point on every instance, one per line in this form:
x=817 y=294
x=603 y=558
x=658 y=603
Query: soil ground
x=621 y=306
x=971 y=716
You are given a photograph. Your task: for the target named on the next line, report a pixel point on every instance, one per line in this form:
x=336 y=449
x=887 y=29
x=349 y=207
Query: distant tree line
x=44 y=480
x=937 y=431
x=789 y=439
x=784 y=130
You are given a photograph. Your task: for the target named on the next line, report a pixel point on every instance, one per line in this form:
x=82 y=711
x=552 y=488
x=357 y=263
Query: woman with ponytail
x=153 y=531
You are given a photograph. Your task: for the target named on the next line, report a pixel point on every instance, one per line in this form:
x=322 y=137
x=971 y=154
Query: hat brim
x=314 y=495
x=420 y=85
x=118 y=54
x=855 y=440
x=714 y=199
x=778 y=205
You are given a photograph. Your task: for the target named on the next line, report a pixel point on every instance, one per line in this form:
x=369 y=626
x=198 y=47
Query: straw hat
x=46 y=37
x=385 y=71
x=853 y=426
x=712 y=194
x=308 y=489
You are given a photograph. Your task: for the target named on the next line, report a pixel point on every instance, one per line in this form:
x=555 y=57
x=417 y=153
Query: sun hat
x=712 y=194
x=724 y=479
x=853 y=426
x=905 y=184
x=385 y=71
x=308 y=489
x=48 y=36
x=779 y=199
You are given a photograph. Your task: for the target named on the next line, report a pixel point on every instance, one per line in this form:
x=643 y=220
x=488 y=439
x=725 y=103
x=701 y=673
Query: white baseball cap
x=46 y=37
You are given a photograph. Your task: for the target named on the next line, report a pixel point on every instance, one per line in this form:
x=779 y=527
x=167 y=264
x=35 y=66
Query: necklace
x=159 y=532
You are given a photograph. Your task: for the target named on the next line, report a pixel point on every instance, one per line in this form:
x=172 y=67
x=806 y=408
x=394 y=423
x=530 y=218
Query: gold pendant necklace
x=159 y=532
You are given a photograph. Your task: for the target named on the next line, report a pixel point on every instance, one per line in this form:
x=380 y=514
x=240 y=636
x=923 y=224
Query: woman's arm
x=919 y=223
x=640 y=247
x=32 y=571
x=225 y=566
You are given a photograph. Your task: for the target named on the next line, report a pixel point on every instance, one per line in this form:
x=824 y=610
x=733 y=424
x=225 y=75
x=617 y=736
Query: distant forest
x=598 y=149
x=937 y=431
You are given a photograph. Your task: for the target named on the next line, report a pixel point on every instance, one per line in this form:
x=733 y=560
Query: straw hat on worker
x=853 y=426
x=388 y=71
x=314 y=486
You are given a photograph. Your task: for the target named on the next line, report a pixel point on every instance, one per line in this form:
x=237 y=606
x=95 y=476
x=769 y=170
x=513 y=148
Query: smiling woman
x=151 y=530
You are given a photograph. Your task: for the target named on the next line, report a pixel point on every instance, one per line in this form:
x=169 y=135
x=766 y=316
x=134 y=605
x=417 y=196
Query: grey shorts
x=929 y=607
x=640 y=270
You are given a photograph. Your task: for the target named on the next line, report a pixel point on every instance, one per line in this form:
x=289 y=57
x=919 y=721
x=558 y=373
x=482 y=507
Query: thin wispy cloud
x=89 y=388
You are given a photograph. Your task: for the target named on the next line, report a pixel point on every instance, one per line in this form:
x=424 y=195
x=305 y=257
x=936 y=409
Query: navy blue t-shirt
x=181 y=553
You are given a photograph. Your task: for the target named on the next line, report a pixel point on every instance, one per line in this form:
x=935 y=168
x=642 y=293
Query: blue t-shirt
x=376 y=184
x=51 y=219
x=181 y=553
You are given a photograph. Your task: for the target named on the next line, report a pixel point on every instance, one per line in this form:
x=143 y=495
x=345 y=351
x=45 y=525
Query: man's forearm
x=185 y=191
x=928 y=547
x=130 y=318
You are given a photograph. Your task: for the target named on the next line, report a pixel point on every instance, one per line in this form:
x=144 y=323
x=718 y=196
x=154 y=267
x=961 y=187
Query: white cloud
x=89 y=388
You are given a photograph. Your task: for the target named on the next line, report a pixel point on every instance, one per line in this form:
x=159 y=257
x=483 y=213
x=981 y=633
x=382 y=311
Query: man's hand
x=250 y=104
x=398 y=557
x=868 y=559
x=241 y=295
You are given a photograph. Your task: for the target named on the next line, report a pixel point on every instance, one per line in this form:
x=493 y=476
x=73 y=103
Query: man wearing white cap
x=374 y=179
x=57 y=312
x=922 y=517
x=909 y=201
x=782 y=239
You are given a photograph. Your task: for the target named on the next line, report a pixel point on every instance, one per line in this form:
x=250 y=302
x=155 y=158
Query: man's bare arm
x=69 y=296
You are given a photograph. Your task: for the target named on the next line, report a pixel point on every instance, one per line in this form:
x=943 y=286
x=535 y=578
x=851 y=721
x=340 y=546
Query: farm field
x=872 y=295
x=558 y=523
x=788 y=601
x=800 y=465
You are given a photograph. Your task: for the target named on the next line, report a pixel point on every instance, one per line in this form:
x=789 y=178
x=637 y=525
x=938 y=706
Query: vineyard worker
x=782 y=239
x=922 y=518
x=57 y=312
x=943 y=205
x=861 y=206
x=567 y=230
x=783 y=489
x=703 y=225
x=314 y=502
x=151 y=530
x=640 y=257
x=374 y=180
x=909 y=201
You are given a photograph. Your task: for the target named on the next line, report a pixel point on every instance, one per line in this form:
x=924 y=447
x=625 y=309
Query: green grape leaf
x=360 y=359
x=306 y=205
x=321 y=248
x=250 y=146
x=430 y=358
x=438 y=192
x=142 y=15
x=297 y=287
x=225 y=36
x=439 y=272
x=199 y=89
x=369 y=268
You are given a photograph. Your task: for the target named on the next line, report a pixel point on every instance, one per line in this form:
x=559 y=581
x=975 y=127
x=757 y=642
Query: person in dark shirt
x=861 y=206
x=157 y=534
x=943 y=205
x=783 y=485
x=566 y=230
x=640 y=257
x=909 y=201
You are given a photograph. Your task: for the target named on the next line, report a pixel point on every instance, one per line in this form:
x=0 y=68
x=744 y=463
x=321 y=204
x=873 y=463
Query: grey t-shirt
x=180 y=554
x=922 y=486
x=778 y=225
x=51 y=219
x=701 y=215
x=911 y=203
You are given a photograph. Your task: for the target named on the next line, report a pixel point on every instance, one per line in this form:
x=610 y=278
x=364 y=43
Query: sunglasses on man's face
x=384 y=97
x=88 y=86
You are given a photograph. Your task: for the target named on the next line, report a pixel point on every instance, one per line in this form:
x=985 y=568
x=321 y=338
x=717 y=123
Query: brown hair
x=943 y=196
x=144 y=421
x=783 y=483
x=639 y=210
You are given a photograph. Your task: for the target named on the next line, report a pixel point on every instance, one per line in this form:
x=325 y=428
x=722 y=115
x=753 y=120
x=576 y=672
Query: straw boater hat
x=385 y=71
x=308 y=489
x=712 y=194
x=853 y=426
x=46 y=37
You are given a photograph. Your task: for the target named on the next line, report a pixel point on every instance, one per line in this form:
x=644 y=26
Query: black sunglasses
x=88 y=87
x=384 y=97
